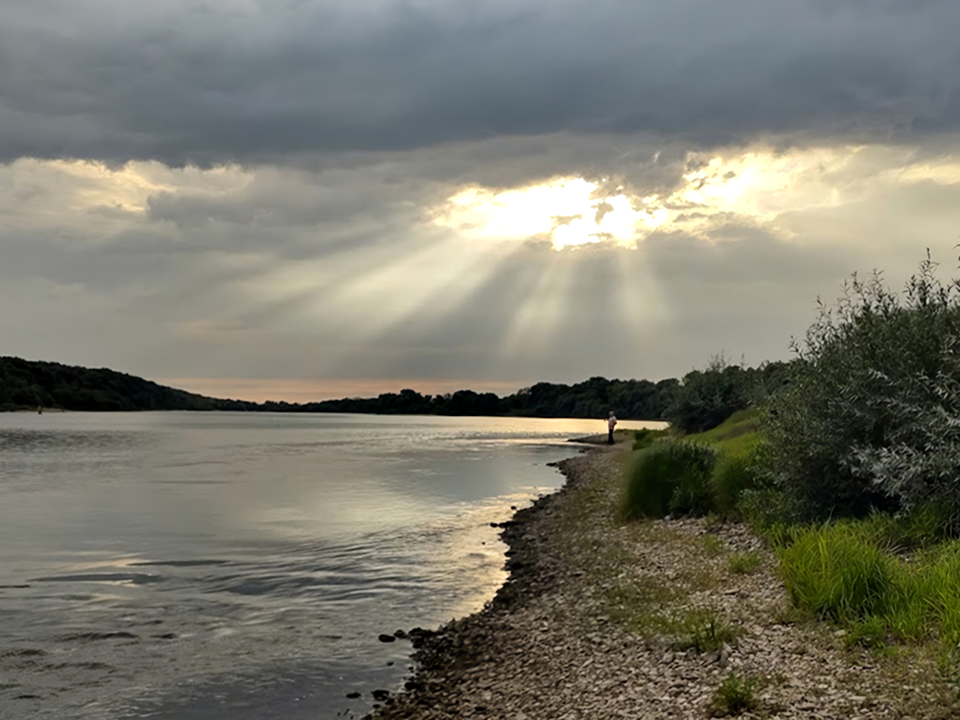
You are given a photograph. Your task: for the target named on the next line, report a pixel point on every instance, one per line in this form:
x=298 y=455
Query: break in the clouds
x=183 y=82
x=305 y=199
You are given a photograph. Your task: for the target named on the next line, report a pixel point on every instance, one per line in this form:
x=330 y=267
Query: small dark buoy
x=353 y=695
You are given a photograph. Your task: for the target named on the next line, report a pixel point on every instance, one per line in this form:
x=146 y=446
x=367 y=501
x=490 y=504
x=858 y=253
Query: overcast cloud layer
x=316 y=193
x=238 y=81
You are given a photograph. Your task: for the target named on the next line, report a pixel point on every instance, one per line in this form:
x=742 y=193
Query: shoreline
x=600 y=620
x=445 y=657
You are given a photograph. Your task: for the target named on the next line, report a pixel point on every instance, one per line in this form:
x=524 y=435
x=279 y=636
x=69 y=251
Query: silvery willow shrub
x=871 y=417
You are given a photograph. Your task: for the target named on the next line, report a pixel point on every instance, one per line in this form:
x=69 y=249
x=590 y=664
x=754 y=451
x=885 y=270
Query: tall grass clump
x=733 y=474
x=936 y=590
x=738 y=465
x=848 y=572
x=671 y=477
x=645 y=437
x=839 y=573
x=871 y=416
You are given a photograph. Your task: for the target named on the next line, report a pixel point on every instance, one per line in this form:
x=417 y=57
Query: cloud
x=244 y=82
x=339 y=271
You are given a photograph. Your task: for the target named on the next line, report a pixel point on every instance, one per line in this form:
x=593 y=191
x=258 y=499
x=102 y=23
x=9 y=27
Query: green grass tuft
x=733 y=474
x=735 y=696
x=712 y=544
x=744 y=563
x=669 y=478
x=838 y=573
x=705 y=631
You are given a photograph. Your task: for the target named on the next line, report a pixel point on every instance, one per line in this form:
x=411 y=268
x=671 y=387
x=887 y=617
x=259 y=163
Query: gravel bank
x=600 y=620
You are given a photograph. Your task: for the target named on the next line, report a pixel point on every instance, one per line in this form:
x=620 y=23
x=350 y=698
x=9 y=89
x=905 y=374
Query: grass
x=712 y=544
x=857 y=574
x=732 y=433
x=704 y=631
x=735 y=696
x=669 y=477
x=646 y=437
x=698 y=474
x=744 y=563
x=839 y=573
x=649 y=614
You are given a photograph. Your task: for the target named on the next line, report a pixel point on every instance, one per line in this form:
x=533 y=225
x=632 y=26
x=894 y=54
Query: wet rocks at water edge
x=384 y=638
x=419 y=637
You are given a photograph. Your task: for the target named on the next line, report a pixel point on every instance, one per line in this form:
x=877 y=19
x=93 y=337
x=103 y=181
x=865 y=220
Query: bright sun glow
x=567 y=211
x=756 y=187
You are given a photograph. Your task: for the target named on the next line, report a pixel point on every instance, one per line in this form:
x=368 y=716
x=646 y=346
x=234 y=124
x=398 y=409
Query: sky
x=302 y=199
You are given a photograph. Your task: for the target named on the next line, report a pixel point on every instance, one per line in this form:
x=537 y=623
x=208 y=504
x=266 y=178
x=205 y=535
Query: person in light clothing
x=611 y=424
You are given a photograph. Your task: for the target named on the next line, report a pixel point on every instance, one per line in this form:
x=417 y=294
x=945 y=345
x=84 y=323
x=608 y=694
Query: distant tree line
x=26 y=384
x=629 y=399
x=703 y=399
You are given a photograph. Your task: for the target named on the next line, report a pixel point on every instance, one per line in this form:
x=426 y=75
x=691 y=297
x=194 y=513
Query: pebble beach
x=605 y=619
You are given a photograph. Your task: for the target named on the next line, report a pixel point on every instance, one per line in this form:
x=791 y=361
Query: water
x=215 y=566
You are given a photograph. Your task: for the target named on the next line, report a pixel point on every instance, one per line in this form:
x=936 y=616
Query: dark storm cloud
x=186 y=82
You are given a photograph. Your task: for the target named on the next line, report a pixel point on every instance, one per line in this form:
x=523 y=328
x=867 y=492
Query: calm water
x=190 y=566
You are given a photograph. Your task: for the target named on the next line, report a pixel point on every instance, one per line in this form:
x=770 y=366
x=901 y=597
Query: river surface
x=231 y=566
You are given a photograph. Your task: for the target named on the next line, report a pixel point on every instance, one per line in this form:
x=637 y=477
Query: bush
x=871 y=418
x=671 y=477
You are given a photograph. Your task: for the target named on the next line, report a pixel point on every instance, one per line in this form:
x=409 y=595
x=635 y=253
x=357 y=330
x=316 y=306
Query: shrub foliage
x=871 y=418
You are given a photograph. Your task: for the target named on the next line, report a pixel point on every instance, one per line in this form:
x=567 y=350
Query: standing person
x=611 y=424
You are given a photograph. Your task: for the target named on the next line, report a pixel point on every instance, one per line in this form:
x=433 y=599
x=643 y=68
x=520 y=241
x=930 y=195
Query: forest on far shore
x=26 y=384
